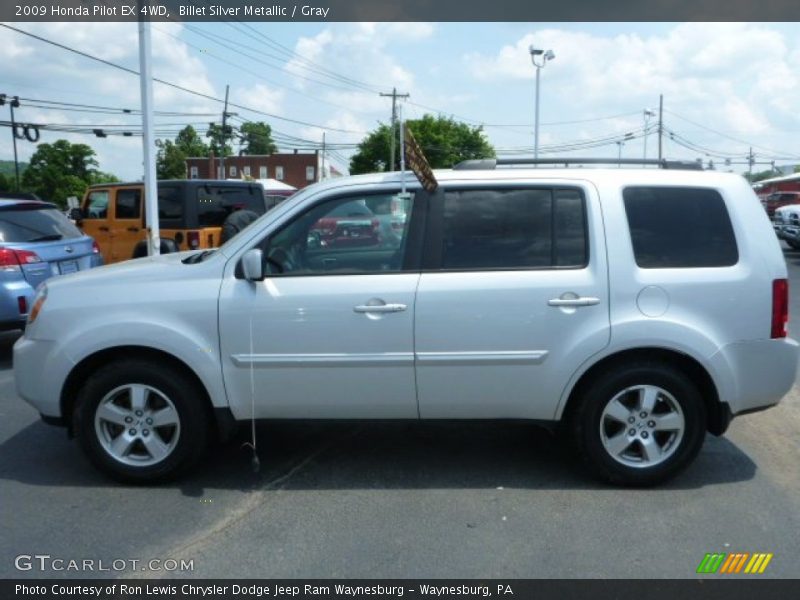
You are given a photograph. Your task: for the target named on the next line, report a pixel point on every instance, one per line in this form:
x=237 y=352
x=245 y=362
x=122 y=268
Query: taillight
x=193 y=238
x=95 y=247
x=780 y=307
x=13 y=259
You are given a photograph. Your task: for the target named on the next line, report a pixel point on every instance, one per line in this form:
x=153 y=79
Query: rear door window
x=676 y=227
x=514 y=229
x=25 y=224
x=128 y=204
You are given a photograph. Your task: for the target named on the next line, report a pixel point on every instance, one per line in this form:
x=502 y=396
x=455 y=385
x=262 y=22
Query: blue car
x=36 y=242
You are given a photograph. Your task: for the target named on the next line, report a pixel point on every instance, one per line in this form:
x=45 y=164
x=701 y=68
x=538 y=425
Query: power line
x=746 y=143
x=59 y=105
x=175 y=85
x=313 y=66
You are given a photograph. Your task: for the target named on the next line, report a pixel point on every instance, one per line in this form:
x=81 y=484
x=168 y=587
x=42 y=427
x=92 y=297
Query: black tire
x=598 y=394
x=793 y=245
x=235 y=222
x=176 y=386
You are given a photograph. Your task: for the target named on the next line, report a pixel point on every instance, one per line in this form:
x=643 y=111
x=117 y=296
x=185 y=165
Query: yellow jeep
x=191 y=214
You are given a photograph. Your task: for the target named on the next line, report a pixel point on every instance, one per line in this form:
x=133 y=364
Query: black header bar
x=707 y=588
x=399 y=10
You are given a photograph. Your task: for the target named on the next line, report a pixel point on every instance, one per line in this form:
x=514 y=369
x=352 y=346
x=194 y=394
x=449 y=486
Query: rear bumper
x=10 y=293
x=755 y=375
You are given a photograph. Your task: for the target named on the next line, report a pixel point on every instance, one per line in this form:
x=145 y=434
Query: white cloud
x=45 y=72
x=736 y=77
x=262 y=97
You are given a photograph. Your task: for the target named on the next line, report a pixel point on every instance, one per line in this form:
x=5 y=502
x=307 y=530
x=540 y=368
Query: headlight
x=38 y=302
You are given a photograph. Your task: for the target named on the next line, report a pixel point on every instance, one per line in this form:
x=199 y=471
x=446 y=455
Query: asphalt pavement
x=399 y=500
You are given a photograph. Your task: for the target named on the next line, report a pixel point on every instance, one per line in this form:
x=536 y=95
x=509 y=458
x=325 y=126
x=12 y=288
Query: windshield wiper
x=48 y=238
x=199 y=257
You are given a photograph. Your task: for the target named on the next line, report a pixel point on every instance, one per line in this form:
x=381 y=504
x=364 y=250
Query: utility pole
x=322 y=173
x=750 y=161
x=224 y=134
x=660 y=124
x=394 y=96
x=12 y=105
x=402 y=155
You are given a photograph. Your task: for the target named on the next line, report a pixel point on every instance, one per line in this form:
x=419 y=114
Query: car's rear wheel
x=140 y=421
x=639 y=424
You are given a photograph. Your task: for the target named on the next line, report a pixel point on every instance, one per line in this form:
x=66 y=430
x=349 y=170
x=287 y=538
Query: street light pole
x=545 y=55
x=620 y=143
x=647 y=114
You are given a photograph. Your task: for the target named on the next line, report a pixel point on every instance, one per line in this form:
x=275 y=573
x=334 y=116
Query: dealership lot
x=402 y=500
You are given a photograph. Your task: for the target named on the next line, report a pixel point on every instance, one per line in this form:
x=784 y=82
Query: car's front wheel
x=639 y=424
x=140 y=421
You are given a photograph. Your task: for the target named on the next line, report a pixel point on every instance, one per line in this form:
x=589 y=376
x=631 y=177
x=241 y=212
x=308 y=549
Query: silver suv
x=636 y=308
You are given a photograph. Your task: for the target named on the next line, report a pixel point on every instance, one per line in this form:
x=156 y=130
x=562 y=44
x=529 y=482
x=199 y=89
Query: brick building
x=296 y=169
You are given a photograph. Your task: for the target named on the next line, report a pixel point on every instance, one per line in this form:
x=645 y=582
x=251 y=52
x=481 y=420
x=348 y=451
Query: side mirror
x=76 y=214
x=253 y=265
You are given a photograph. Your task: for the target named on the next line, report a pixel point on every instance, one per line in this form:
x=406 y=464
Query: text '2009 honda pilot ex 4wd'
x=636 y=308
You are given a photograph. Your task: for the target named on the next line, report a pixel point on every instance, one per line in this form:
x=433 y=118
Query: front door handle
x=133 y=229
x=580 y=301
x=379 y=308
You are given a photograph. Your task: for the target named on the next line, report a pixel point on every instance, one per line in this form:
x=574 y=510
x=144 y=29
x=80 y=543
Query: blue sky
x=726 y=85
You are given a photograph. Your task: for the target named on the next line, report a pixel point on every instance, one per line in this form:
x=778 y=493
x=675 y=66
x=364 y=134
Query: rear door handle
x=379 y=308
x=581 y=301
x=103 y=228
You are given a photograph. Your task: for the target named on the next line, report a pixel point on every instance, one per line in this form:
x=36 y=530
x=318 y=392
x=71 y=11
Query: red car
x=778 y=199
x=350 y=225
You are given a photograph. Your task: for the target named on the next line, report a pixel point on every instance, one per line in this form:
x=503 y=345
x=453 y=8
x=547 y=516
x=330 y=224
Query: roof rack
x=493 y=163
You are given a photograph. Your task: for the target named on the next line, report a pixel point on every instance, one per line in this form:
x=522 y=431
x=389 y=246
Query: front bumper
x=39 y=373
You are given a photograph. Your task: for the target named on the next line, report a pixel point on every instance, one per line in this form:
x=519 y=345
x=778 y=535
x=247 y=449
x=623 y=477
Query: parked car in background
x=275 y=191
x=349 y=225
x=18 y=196
x=36 y=242
x=779 y=199
x=191 y=214
x=786 y=223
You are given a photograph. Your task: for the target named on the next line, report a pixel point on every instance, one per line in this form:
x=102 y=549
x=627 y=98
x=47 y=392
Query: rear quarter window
x=679 y=227
x=216 y=202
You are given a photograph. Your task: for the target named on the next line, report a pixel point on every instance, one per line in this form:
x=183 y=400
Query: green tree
x=171 y=156
x=5 y=184
x=257 y=138
x=753 y=178
x=214 y=133
x=797 y=169
x=102 y=177
x=59 y=170
x=444 y=141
